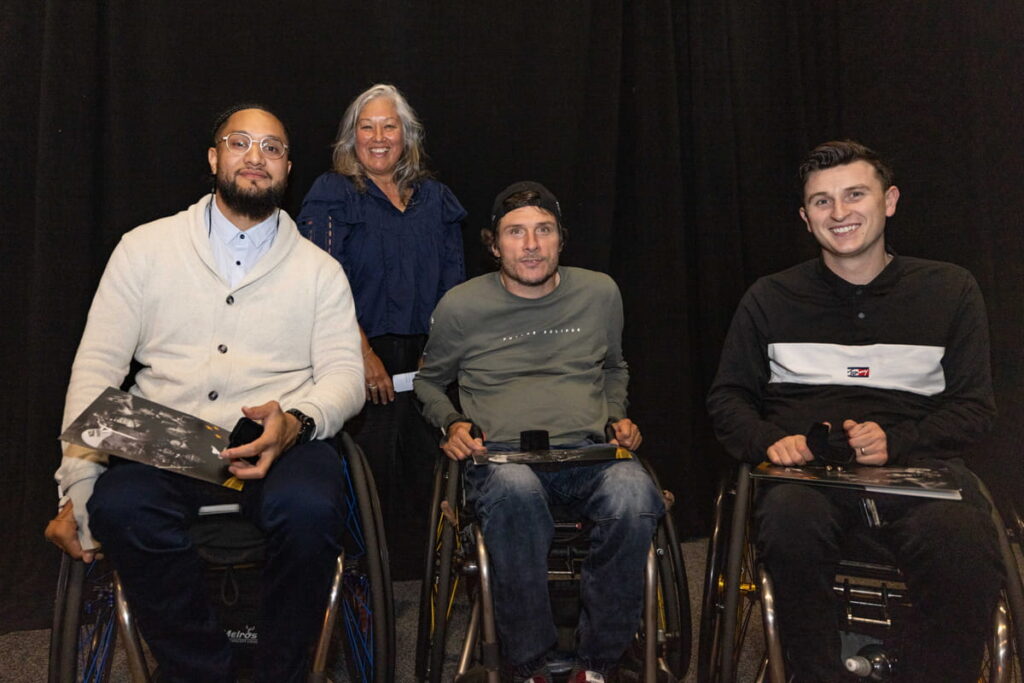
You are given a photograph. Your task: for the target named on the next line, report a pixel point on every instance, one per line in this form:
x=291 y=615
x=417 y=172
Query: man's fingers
x=790 y=451
x=460 y=445
x=453 y=454
x=248 y=450
x=244 y=470
x=469 y=446
x=261 y=411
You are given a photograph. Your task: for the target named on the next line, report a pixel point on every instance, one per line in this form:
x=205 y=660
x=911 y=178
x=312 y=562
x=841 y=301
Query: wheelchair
x=457 y=566
x=91 y=612
x=872 y=593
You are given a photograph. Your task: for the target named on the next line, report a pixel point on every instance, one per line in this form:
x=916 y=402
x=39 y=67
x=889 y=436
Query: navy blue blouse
x=399 y=264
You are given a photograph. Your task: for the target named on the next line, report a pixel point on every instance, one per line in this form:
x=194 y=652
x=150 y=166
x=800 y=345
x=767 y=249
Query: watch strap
x=307 y=426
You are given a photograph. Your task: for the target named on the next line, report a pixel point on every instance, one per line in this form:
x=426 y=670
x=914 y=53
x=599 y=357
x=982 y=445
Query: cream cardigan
x=286 y=332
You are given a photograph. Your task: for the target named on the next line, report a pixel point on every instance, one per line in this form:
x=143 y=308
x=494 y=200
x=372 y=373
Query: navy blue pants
x=946 y=549
x=140 y=515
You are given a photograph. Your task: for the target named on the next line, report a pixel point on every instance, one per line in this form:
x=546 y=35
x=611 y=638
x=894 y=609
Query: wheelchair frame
x=91 y=612
x=735 y=583
x=457 y=556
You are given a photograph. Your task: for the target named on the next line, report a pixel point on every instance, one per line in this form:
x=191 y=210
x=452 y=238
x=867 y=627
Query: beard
x=251 y=203
x=536 y=280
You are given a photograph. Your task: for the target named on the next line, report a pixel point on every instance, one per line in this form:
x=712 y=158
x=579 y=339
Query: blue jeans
x=140 y=514
x=512 y=502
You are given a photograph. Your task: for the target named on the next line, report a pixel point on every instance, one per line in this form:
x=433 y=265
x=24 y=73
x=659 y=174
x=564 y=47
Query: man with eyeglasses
x=229 y=312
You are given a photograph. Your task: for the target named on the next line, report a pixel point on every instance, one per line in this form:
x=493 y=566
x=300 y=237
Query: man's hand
x=459 y=445
x=790 y=451
x=868 y=441
x=62 y=531
x=627 y=434
x=280 y=430
x=379 y=387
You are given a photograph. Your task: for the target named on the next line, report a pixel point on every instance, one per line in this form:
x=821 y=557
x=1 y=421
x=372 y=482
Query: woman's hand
x=379 y=387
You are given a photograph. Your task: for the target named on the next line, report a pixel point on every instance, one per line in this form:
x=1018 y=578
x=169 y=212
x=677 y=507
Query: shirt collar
x=226 y=231
x=882 y=283
x=371 y=188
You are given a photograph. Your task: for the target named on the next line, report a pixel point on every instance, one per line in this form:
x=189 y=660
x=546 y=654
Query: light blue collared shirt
x=237 y=251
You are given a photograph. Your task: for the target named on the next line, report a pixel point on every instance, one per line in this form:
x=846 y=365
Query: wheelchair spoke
x=353 y=519
x=358 y=618
x=93 y=641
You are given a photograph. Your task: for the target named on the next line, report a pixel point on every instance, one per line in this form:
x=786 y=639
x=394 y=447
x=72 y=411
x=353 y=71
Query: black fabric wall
x=669 y=130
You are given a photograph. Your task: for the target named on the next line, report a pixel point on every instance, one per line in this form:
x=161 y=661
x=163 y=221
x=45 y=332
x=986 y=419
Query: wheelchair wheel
x=714 y=577
x=367 y=612
x=440 y=581
x=84 y=623
x=673 y=601
x=730 y=606
x=673 y=593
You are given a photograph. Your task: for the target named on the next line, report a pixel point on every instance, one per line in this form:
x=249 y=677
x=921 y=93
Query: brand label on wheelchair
x=245 y=636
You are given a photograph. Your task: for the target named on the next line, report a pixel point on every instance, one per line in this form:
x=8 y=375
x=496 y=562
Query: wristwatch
x=307 y=426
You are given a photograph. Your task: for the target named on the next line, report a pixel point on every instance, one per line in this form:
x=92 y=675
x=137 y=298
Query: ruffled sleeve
x=453 y=269
x=328 y=212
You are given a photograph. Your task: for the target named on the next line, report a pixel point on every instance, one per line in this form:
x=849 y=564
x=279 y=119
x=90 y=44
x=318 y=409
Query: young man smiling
x=537 y=346
x=893 y=353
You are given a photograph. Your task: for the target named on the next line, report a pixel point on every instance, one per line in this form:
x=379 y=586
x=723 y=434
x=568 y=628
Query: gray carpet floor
x=24 y=654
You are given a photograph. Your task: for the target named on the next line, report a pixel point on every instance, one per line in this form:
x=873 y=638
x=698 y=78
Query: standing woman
x=397 y=233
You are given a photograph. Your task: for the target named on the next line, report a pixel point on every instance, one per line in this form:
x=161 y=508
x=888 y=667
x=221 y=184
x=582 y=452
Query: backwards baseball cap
x=545 y=200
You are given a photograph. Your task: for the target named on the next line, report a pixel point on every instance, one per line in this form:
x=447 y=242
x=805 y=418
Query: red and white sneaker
x=585 y=676
x=540 y=676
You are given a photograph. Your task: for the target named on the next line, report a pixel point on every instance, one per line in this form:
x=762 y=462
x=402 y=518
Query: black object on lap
x=245 y=431
x=828 y=447
x=534 y=440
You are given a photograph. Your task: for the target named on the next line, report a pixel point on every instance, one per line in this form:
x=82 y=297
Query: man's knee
x=303 y=492
x=299 y=520
x=126 y=503
x=796 y=519
x=951 y=542
x=511 y=484
x=626 y=492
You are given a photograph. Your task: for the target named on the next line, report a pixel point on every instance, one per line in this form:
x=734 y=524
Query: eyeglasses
x=240 y=143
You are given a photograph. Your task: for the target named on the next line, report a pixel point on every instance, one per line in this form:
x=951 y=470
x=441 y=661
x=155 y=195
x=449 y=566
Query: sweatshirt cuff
x=79 y=494
x=451 y=419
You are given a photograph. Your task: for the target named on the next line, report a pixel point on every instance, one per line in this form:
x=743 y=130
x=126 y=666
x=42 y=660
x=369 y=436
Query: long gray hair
x=411 y=165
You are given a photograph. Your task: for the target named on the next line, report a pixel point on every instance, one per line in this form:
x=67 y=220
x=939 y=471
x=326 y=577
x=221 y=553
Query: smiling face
x=845 y=208
x=379 y=138
x=249 y=185
x=527 y=244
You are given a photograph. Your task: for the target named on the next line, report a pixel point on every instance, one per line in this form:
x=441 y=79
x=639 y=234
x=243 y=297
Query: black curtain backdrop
x=669 y=130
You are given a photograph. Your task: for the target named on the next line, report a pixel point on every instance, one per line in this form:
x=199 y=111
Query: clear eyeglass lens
x=272 y=148
x=240 y=143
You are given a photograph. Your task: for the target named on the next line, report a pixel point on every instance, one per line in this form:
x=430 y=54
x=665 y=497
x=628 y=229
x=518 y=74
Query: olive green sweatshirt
x=553 y=363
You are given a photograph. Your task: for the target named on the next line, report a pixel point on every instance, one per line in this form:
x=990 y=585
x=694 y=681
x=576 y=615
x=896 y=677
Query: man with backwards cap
x=537 y=346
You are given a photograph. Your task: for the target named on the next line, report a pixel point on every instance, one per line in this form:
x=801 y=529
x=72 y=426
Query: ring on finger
x=862 y=453
x=371 y=387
